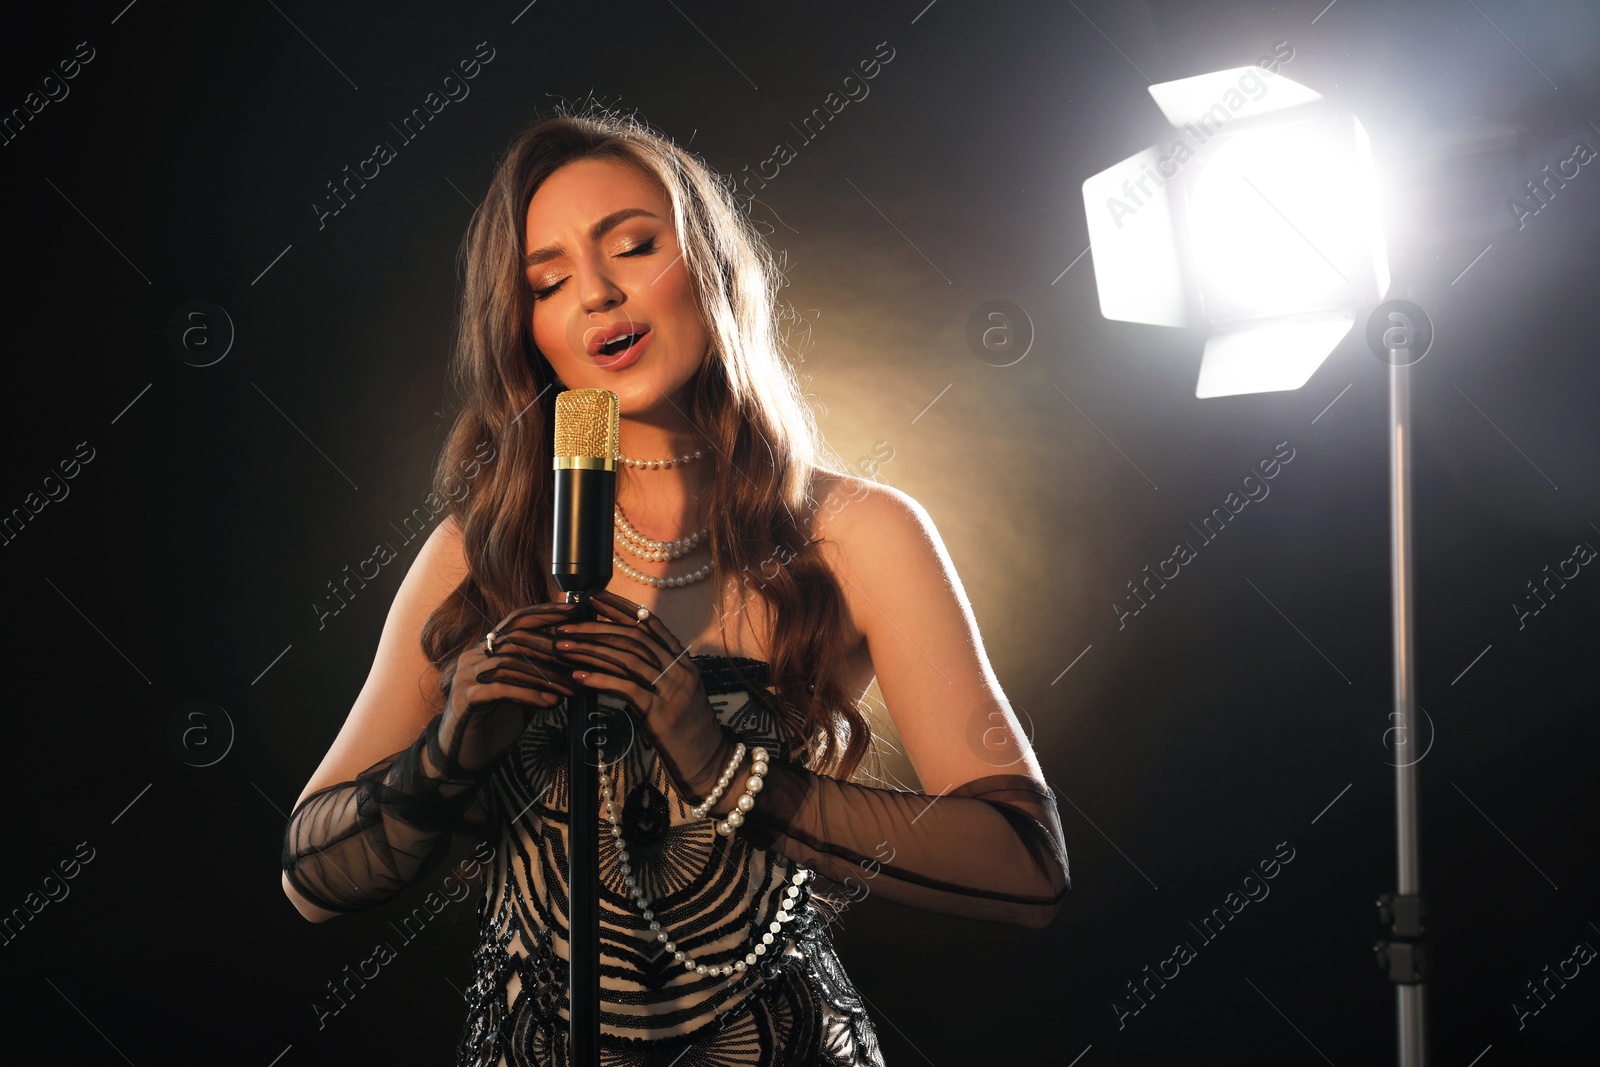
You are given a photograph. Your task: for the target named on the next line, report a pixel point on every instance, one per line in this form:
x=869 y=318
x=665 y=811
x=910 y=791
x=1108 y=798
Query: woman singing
x=759 y=588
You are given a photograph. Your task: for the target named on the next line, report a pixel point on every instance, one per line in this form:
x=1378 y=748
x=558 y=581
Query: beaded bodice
x=709 y=892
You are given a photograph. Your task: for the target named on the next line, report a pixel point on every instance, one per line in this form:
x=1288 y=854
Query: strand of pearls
x=659 y=583
x=702 y=809
x=747 y=800
x=758 y=945
x=648 y=547
x=663 y=464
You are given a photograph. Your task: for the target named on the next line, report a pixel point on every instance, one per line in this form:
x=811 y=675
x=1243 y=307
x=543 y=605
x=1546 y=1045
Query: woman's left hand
x=644 y=663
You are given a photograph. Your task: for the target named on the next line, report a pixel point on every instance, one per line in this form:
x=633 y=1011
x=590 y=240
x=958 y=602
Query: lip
x=595 y=337
x=625 y=358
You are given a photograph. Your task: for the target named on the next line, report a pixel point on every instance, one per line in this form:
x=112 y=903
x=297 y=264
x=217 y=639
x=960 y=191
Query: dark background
x=1186 y=746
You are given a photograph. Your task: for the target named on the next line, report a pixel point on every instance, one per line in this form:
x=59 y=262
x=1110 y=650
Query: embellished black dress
x=989 y=849
x=795 y=1007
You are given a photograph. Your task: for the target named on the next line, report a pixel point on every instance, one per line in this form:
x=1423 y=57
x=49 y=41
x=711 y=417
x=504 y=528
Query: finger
x=484 y=697
x=641 y=654
x=533 y=626
x=522 y=684
x=624 y=612
x=589 y=656
x=620 y=638
x=539 y=663
x=636 y=698
x=616 y=603
x=536 y=615
x=524 y=672
x=525 y=644
x=538 y=643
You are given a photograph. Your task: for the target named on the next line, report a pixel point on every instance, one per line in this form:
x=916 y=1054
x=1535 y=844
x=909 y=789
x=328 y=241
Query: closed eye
x=643 y=249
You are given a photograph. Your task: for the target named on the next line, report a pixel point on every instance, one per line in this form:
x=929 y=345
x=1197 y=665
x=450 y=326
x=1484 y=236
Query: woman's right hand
x=491 y=698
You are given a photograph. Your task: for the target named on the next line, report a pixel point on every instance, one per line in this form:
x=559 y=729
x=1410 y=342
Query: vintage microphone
x=585 y=465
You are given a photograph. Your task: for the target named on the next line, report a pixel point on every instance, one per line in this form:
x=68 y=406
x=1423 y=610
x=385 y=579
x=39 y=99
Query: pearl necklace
x=758 y=946
x=659 y=583
x=648 y=547
x=663 y=464
x=632 y=541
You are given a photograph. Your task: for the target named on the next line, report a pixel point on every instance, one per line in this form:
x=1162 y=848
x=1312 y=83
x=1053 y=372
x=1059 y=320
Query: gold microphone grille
x=586 y=424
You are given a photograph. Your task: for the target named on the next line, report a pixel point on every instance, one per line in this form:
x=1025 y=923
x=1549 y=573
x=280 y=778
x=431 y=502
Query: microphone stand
x=583 y=862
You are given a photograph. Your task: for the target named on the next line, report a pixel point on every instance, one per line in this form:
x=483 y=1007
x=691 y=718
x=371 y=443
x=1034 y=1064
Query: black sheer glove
x=356 y=844
x=991 y=848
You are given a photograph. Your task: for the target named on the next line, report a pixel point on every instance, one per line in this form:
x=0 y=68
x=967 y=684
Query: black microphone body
x=580 y=554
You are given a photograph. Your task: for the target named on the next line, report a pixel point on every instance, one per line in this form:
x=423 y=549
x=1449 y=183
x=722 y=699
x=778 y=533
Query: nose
x=599 y=292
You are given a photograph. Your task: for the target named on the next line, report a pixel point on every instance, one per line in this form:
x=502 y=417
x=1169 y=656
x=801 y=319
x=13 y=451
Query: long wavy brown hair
x=747 y=401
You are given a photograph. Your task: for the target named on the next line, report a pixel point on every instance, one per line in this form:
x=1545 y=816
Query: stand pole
x=1403 y=953
x=583 y=863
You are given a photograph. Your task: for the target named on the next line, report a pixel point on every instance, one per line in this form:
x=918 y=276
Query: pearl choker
x=662 y=464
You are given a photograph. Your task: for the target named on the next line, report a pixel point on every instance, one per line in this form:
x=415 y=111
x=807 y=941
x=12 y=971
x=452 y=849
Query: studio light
x=1259 y=220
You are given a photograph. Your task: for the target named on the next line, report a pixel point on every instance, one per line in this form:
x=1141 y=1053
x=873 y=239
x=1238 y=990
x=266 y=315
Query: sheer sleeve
x=991 y=848
x=354 y=845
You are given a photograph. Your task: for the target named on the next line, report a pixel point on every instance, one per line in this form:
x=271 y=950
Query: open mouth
x=618 y=345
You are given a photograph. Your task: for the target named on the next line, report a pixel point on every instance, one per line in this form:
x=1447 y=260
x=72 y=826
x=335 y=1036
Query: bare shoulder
x=435 y=574
x=442 y=560
x=878 y=541
x=851 y=509
x=920 y=635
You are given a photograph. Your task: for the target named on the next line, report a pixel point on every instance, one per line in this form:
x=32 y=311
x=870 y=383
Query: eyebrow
x=597 y=231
